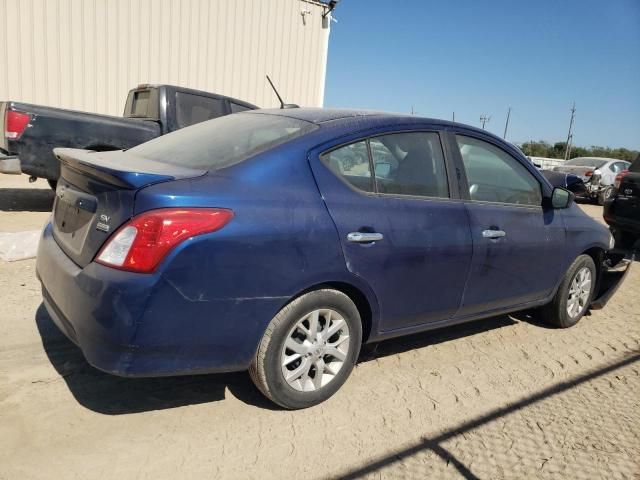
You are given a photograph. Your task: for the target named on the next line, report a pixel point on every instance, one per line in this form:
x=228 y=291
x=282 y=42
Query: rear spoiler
x=120 y=168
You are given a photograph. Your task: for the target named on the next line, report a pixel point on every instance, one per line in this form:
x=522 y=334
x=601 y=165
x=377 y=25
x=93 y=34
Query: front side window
x=192 y=109
x=351 y=164
x=495 y=176
x=410 y=164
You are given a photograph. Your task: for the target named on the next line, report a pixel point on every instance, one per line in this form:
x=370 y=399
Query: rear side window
x=351 y=163
x=223 y=141
x=192 y=109
x=410 y=164
x=495 y=176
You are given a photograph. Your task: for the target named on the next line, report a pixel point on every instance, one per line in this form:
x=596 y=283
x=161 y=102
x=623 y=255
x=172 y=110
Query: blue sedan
x=280 y=241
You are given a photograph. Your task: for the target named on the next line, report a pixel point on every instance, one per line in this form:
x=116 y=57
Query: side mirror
x=383 y=169
x=561 y=198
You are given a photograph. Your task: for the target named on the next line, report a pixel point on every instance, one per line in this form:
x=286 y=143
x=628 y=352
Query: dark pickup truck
x=30 y=132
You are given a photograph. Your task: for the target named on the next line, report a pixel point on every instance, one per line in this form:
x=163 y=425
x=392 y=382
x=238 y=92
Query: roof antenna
x=282 y=104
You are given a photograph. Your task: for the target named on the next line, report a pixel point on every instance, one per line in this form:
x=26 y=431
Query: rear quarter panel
x=280 y=243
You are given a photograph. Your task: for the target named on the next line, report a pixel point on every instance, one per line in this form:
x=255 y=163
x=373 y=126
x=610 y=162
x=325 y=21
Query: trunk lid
x=96 y=194
x=577 y=170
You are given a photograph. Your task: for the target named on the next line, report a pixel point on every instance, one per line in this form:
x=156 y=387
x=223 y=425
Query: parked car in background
x=30 y=132
x=255 y=241
x=570 y=181
x=622 y=208
x=597 y=173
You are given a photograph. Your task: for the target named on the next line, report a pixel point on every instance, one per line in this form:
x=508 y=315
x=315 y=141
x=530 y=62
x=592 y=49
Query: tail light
x=143 y=242
x=619 y=178
x=589 y=173
x=15 y=123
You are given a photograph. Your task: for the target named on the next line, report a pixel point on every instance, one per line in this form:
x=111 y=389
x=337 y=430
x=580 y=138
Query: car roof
x=601 y=158
x=325 y=115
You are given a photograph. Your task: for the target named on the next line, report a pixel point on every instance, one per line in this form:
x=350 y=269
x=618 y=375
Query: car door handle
x=363 y=237
x=493 y=233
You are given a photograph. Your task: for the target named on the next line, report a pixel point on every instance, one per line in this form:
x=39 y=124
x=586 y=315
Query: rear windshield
x=586 y=162
x=223 y=141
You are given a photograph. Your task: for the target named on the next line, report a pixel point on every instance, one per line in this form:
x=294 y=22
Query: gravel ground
x=505 y=397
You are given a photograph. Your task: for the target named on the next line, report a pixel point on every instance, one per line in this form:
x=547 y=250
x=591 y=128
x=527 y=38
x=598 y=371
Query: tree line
x=558 y=149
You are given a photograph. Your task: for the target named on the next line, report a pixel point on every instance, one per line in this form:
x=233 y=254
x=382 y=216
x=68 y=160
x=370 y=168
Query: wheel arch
x=365 y=303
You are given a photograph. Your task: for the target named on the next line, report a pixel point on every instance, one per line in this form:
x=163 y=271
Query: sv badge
x=102 y=225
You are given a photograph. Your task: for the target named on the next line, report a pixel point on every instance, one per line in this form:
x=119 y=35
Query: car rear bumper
x=10 y=164
x=140 y=325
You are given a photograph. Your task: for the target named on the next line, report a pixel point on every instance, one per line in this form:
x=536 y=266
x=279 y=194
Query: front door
x=518 y=246
x=400 y=229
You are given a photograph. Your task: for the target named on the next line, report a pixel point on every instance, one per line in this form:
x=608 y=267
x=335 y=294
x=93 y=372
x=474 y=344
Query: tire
x=604 y=194
x=556 y=313
x=53 y=184
x=268 y=367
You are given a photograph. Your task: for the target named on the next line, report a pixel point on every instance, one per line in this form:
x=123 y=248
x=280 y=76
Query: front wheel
x=308 y=350
x=574 y=295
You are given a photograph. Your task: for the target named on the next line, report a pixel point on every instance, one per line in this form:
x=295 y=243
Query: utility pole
x=453 y=119
x=506 y=125
x=484 y=119
x=570 y=134
x=413 y=112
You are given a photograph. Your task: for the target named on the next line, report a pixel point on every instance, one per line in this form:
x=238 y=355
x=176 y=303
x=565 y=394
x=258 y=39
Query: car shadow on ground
x=111 y=395
x=26 y=199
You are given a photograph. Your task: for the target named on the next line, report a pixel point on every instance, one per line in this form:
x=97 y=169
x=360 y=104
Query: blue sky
x=475 y=57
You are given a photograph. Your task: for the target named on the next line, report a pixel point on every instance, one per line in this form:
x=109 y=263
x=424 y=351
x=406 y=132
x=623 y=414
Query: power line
x=484 y=119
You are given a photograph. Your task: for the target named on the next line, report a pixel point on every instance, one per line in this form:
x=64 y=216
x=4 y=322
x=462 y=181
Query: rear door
x=518 y=247
x=401 y=230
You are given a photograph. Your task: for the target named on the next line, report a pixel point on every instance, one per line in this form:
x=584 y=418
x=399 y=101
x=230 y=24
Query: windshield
x=586 y=162
x=223 y=141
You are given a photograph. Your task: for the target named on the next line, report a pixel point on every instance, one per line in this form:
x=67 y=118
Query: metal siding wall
x=87 y=54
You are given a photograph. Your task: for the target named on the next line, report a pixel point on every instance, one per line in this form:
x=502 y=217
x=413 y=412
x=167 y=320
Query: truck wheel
x=53 y=184
x=604 y=194
x=574 y=295
x=308 y=350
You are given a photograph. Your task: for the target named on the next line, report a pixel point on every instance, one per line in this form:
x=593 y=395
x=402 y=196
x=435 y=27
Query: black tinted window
x=192 y=109
x=223 y=141
x=410 y=164
x=351 y=163
x=495 y=176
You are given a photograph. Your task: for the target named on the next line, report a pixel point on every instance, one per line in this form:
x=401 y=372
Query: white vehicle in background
x=598 y=174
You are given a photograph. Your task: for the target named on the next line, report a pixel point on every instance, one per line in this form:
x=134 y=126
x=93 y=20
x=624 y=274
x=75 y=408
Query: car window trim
x=464 y=182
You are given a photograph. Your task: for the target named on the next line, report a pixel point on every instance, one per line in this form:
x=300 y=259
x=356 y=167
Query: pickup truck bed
x=29 y=133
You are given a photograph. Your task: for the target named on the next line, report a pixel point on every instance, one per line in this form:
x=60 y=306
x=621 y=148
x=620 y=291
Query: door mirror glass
x=383 y=169
x=560 y=198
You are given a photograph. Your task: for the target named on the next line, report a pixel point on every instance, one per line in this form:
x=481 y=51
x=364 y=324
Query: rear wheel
x=574 y=295
x=308 y=350
x=605 y=194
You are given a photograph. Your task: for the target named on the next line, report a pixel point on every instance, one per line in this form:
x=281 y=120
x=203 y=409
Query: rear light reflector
x=619 y=178
x=15 y=124
x=144 y=241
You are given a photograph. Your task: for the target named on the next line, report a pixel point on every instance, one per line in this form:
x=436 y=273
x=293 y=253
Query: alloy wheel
x=579 y=292
x=315 y=350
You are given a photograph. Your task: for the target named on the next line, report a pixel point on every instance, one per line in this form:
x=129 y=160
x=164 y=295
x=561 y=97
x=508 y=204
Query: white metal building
x=87 y=54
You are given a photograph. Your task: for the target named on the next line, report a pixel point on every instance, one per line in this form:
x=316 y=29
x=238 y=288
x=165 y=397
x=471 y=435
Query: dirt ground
x=506 y=397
